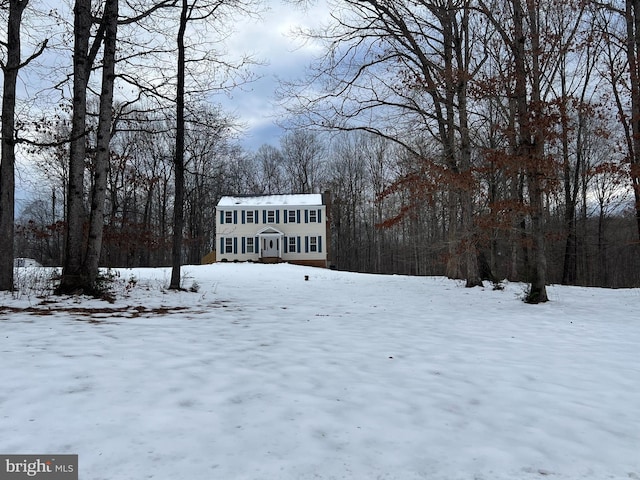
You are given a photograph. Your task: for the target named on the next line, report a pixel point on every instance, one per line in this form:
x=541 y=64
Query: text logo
x=45 y=467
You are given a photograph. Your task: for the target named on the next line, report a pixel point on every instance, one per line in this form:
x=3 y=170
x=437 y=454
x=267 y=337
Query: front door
x=271 y=246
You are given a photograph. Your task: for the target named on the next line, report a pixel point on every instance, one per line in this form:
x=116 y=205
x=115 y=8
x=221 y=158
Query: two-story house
x=273 y=228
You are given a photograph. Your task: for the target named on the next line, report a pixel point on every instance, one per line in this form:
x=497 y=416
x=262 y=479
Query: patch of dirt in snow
x=107 y=312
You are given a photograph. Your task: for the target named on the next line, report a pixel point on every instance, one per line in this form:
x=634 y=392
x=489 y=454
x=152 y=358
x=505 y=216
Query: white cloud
x=271 y=39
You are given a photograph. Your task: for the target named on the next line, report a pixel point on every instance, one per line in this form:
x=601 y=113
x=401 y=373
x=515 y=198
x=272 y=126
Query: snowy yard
x=263 y=375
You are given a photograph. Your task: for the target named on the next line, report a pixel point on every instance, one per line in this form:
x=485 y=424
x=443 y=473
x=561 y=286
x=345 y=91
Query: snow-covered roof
x=298 y=200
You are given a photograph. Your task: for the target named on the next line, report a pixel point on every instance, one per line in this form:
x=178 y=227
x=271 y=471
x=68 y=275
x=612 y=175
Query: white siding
x=239 y=229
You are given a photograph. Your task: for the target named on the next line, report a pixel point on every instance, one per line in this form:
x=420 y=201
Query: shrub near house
x=273 y=228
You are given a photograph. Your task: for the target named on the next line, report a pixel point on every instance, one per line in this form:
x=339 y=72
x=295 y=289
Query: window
x=292 y=244
x=313 y=244
x=250 y=216
x=228 y=245
x=228 y=217
x=271 y=216
x=313 y=216
x=250 y=244
x=292 y=216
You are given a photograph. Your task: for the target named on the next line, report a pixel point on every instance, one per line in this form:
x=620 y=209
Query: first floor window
x=250 y=245
x=292 y=244
x=313 y=244
x=228 y=245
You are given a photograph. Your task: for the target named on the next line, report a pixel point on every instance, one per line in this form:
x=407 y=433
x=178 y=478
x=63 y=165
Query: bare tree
x=347 y=181
x=191 y=12
x=519 y=30
x=632 y=20
x=619 y=25
x=11 y=63
x=178 y=162
x=140 y=189
x=302 y=154
x=208 y=147
x=101 y=165
x=82 y=257
x=401 y=70
x=271 y=170
x=84 y=55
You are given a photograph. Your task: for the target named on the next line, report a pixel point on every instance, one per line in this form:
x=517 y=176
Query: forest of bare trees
x=478 y=139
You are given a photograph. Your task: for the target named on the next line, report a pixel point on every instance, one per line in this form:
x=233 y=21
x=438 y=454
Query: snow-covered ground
x=262 y=374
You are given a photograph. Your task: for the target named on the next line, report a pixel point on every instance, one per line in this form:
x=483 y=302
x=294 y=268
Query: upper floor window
x=228 y=217
x=313 y=216
x=250 y=216
x=292 y=216
x=271 y=216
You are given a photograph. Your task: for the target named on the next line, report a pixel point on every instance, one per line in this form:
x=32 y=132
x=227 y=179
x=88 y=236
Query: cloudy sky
x=268 y=38
x=271 y=39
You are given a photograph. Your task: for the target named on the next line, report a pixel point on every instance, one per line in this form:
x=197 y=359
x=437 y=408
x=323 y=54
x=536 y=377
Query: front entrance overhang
x=270 y=242
x=269 y=231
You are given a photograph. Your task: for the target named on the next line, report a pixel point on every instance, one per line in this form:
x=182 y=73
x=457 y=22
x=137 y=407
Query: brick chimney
x=326 y=201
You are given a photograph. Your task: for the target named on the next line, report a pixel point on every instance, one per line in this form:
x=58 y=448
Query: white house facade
x=273 y=228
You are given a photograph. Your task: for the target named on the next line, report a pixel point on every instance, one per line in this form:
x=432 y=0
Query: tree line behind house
x=478 y=139
x=356 y=168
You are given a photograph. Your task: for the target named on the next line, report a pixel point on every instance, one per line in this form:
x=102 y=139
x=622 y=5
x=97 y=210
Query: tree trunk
x=10 y=70
x=537 y=290
x=462 y=53
x=633 y=57
x=602 y=258
x=531 y=144
x=473 y=278
x=178 y=209
x=101 y=167
x=569 y=268
x=452 y=238
x=72 y=275
x=7 y=161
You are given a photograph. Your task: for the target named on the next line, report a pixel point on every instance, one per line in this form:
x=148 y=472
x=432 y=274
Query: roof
x=297 y=200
